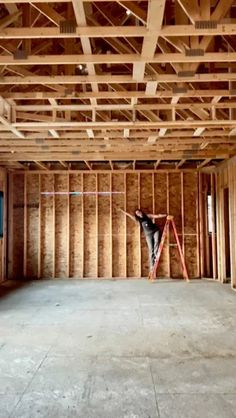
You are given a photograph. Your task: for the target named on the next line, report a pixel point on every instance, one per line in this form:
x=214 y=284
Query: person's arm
x=161 y=215
x=128 y=214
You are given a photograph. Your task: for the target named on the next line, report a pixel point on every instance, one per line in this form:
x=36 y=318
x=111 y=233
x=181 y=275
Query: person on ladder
x=151 y=232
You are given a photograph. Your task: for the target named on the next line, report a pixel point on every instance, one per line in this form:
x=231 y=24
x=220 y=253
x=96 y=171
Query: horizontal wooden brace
x=117 y=59
x=119 y=107
x=41 y=95
x=117 y=156
x=178 y=135
x=124 y=124
x=114 y=79
x=115 y=31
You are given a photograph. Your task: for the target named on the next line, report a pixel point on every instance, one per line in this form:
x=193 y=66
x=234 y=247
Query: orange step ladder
x=169 y=220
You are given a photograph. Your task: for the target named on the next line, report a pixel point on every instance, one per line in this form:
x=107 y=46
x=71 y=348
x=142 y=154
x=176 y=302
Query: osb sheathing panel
x=4 y=238
x=226 y=178
x=76 y=227
x=146 y=205
x=47 y=226
x=160 y=206
x=88 y=236
x=90 y=230
x=175 y=210
x=16 y=258
x=190 y=224
x=104 y=237
x=32 y=224
x=61 y=226
x=118 y=227
x=133 y=229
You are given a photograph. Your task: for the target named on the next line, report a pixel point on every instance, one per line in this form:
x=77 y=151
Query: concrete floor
x=118 y=349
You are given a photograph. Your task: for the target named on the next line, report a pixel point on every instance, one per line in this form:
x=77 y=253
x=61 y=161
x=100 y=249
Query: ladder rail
x=169 y=220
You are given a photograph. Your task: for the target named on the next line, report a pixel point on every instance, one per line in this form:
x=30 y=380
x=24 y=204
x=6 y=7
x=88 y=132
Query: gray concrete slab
x=117 y=349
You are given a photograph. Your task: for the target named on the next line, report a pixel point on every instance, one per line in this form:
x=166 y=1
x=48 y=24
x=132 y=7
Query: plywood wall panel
x=118 y=227
x=104 y=238
x=90 y=228
x=160 y=192
x=226 y=178
x=32 y=225
x=86 y=235
x=133 y=229
x=146 y=204
x=3 y=240
x=76 y=227
x=47 y=226
x=18 y=225
x=61 y=227
x=190 y=192
x=190 y=225
x=175 y=210
x=191 y=255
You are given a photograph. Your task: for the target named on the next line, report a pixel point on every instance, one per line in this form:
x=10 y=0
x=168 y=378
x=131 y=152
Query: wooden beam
x=119 y=125
x=135 y=10
x=41 y=165
x=64 y=164
x=157 y=163
x=112 y=79
x=133 y=95
x=154 y=20
x=194 y=107
x=11 y=128
x=199 y=131
x=191 y=9
x=25 y=227
x=39 y=270
x=8 y=20
x=87 y=59
x=205 y=162
x=180 y=163
x=116 y=155
x=171 y=31
x=88 y=165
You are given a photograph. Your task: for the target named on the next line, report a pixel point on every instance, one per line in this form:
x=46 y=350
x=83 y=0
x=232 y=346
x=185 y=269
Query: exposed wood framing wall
x=207 y=239
x=87 y=236
x=3 y=188
x=226 y=178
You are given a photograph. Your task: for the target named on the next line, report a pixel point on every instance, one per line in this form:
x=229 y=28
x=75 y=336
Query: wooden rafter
x=81 y=81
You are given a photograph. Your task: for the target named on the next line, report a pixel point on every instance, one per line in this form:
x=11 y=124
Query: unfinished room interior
x=118 y=209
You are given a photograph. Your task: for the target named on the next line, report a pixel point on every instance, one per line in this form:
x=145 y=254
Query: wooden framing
x=39 y=230
x=76 y=91
x=226 y=178
x=3 y=240
x=74 y=95
x=128 y=252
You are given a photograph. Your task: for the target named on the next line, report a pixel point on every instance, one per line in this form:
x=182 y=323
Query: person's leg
x=150 y=244
x=156 y=239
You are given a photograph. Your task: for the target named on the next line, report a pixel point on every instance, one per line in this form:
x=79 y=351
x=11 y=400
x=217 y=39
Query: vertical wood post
x=139 y=241
x=125 y=217
x=39 y=229
x=198 y=229
x=168 y=231
x=54 y=231
x=213 y=235
x=68 y=226
x=82 y=221
x=96 y=227
x=182 y=211
x=111 y=252
x=25 y=227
